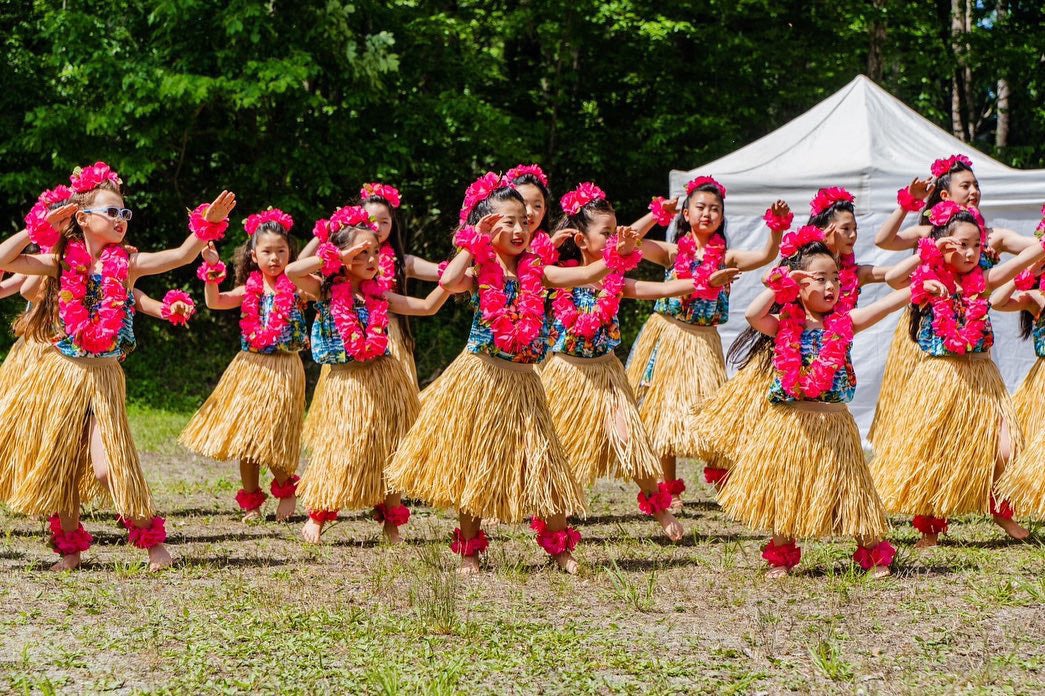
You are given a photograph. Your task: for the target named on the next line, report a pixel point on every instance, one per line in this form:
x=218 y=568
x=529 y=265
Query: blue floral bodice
x=295 y=334
x=842 y=388
x=694 y=310
x=125 y=341
x=932 y=344
x=327 y=346
x=1038 y=334
x=562 y=341
x=480 y=338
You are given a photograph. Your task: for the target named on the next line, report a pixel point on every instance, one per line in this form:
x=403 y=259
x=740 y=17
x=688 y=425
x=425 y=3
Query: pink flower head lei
x=253 y=222
x=826 y=197
x=699 y=181
x=346 y=216
x=585 y=193
x=84 y=179
x=41 y=232
x=382 y=191
x=480 y=190
x=944 y=165
x=533 y=170
x=942 y=213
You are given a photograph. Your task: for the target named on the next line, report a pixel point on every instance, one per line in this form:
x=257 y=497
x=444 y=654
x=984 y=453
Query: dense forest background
x=294 y=104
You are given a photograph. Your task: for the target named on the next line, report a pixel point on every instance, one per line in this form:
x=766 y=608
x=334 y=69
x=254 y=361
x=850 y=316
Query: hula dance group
x=538 y=407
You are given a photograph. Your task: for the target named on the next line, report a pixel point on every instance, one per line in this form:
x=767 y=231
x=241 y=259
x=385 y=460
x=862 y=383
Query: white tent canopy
x=868 y=141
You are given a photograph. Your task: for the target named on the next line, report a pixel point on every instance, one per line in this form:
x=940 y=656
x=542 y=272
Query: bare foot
x=285 y=509
x=778 y=572
x=880 y=572
x=159 y=558
x=672 y=529
x=1012 y=528
x=469 y=565
x=70 y=561
x=566 y=563
x=253 y=516
x=312 y=531
x=676 y=505
x=927 y=541
x=392 y=533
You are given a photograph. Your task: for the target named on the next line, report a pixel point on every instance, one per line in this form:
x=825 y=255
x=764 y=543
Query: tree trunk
x=957 y=28
x=1001 y=133
x=971 y=115
x=877 y=42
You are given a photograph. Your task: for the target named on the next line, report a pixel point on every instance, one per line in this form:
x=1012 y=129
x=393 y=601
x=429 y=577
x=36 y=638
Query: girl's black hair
x=244 y=260
x=569 y=251
x=917 y=312
x=823 y=218
x=753 y=345
x=485 y=206
x=532 y=180
x=942 y=183
x=682 y=227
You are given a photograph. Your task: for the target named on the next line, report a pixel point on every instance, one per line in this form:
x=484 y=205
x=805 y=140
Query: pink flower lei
x=585 y=193
x=796 y=379
x=685 y=259
x=275 y=215
x=793 y=241
x=965 y=290
x=386 y=268
x=90 y=178
x=41 y=232
x=361 y=344
x=942 y=166
x=514 y=326
x=382 y=191
x=99 y=333
x=350 y=216
x=479 y=190
x=699 y=181
x=1026 y=280
x=262 y=336
x=826 y=197
x=169 y=299
x=585 y=324
x=533 y=170
x=942 y=212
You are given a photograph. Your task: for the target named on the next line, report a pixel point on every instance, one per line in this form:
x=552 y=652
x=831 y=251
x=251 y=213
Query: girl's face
x=535 y=208
x=964 y=189
x=704 y=213
x=845 y=232
x=380 y=213
x=819 y=292
x=967 y=256
x=511 y=234
x=600 y=229
x=364 y=264
x=271 y=253
x=99 y=225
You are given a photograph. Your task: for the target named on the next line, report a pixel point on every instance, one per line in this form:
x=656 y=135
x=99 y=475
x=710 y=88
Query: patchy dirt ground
x=255 y=609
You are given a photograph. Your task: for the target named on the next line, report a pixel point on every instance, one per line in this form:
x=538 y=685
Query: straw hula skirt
x=803 y=474
x=903 y=355
x=254 y=414
x=688 y=367
x=1029 y=401
x=45 y=429
x=354 y=425
x=484 y=443
x=1022 y=483
x=594 y=412
x=945 y=467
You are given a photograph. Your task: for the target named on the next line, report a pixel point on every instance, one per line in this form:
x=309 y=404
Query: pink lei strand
x=964 y=291
x=204 y=229
x=386 y=267
x=98 y=333
x=714 y=255
x=169 y=299
x=810 y=382
x=585 y=324
x=261 y=336
x=361 y=344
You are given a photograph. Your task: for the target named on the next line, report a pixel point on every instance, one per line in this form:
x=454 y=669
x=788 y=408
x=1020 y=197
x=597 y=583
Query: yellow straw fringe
x=1029 y=401
x=593 y=408
x=802 y=474
x=941 y=463
x=254 y=413
x=1023 y=481
x=689 y=369
x=725 y=420
x=903 y=355
x=400 y=350
x=484 y=443
x=352 y=429
x=44 y=436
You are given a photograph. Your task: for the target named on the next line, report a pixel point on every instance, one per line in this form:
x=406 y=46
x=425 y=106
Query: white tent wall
x=864 y=139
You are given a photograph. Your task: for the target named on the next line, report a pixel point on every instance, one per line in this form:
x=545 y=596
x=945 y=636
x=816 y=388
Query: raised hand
x=671 y=205
x=1038 y=300
x=180 y=309
x=627 y=240
x=948 y=244
x=935 y=288
x=221 y=207
x=560 y=236
x=352 y=252
x=799 y=275
x=780 y=208
x=723 y=276
x=210 y=253
x=488 y=222
x=921 y=188
x=831 y=235
x=59 y=217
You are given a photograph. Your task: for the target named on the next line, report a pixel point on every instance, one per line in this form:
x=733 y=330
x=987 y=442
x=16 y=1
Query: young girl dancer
x=676 y=362
x=484 y=441
x=367 y=402
x=802 y=473
x=65 y=424
x=967 y=427
x=532 y=184
x=255 y=412
x=591 y=403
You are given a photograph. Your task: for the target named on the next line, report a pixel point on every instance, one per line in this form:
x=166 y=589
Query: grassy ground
x=255 y=609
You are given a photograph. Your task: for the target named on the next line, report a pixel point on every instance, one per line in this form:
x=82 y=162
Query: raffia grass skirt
x=942 y=463
x=351 y=431
x=1029 y=401
x=595 y=417
x=903 y=355
x=45 y=438
x=401 y=349
x=689 y=367
x=1023 y=481
x=802 y=473
x=484 y=443
x=254 y=413
x=724 y=421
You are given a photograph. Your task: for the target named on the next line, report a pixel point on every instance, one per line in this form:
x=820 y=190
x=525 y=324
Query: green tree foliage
x=294 y=104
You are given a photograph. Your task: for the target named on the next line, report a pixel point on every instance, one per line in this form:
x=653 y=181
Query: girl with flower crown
x=968 y=430
x=802 y=472
x=255 y=412
x=676 y=362
x=723 y=422
x=532 y=184
x=73 y=402
x=952 y=180
x=591 y=403
x=484 y=442
x=366 y=402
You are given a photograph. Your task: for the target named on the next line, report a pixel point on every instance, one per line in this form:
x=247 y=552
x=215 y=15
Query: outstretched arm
x=865 y=317
x=418 y=306
x=154 y=263
x=422 y=269
x=11 y=285
x=899 y=276
x=1004 y=272
x=889 y=236
x=749 y=259
x=758 y=315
